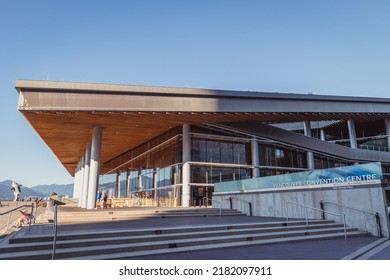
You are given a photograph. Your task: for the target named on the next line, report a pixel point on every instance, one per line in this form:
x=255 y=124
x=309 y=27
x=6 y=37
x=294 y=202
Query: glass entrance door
x=199 y=195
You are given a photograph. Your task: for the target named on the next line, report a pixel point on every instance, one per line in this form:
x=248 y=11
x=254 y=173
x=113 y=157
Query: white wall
x=272 y=204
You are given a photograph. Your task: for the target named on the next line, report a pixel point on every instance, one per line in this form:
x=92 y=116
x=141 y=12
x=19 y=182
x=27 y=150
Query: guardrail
x=316 y=209
x=17 y=208
x=250 y=205
x=212 y=200
x=376 y=214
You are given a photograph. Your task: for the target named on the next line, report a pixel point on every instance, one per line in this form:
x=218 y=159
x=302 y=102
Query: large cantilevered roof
x=64 y=113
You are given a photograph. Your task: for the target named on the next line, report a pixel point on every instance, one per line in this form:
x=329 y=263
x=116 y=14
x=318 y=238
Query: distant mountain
x=61 y=190
x=7 y=194
x=39 y=191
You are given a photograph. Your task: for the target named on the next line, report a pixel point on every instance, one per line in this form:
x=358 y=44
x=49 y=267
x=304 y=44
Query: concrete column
x=322 y=135
x=118 y=184
x=76 y=182
x=82 y=165
x=186 y=192
x=87 y=163
x=352 y=134
x=255 y=158
x=387 y=126
x=309 y=154
x=94 y=166
x=127 y=182
x=155 y=180
x=80 y=181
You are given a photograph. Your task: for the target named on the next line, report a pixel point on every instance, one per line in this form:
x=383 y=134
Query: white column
x=85 y=191
x=309 y=154
x=387 y=126
x=255 y=158
x=118 y=183
x=186 y=192
x=352 y=134
x=140 y=187
x=81 y=179
x=94 y=167
x=76 y=183
x=127 y=182
x=322 y=134
x=155 y=180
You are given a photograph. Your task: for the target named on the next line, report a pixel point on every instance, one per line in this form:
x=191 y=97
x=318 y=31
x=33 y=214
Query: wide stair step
x=122 y=244
x=118 y=214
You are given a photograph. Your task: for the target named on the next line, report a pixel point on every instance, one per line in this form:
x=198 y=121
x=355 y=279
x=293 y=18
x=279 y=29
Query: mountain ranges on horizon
x=37 y=191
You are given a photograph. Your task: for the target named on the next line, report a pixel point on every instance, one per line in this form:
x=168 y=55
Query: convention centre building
x=174 y=146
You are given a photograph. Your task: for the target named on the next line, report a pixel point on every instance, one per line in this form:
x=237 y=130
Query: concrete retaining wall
x=273 y=204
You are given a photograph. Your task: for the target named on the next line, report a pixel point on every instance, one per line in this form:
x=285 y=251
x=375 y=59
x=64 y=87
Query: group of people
x=101 y=200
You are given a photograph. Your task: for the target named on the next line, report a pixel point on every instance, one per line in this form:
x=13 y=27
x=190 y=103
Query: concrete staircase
x=128 y=244
x=72 y=215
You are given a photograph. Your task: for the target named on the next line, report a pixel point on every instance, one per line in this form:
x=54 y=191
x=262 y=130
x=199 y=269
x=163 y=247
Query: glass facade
x=154 y=171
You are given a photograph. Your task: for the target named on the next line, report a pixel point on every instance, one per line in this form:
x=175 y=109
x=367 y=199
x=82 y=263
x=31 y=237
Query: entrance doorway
x=199 y=193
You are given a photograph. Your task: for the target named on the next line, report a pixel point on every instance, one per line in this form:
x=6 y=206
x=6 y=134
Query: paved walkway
x=314 y=250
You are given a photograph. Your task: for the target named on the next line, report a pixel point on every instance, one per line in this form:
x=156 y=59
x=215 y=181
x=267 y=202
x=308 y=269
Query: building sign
x=346 y=176
x=370 y=173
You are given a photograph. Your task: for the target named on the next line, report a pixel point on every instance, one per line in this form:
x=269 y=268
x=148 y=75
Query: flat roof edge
x=121 y=88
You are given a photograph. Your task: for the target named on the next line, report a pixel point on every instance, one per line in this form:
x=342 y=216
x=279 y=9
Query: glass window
x=213 y=151
x=239 y=153
x=227 y=152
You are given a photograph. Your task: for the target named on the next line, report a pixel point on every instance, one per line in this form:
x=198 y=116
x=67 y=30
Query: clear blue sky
x=325 y=47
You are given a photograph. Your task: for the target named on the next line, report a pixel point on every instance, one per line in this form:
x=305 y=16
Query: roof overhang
x=64 y=113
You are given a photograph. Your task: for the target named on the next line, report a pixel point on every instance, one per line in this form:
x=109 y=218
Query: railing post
x=286 y=210
x=378 y=224
x=345 y=227
x=9 y=219
x=54 y=233
x=323 y=210
x=31 y=216
x=307 y=217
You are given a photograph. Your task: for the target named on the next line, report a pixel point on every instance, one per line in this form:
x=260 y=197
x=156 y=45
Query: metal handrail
x=212 y=200
x=376 y=214
x=54 y=233
x=17 y=208
x=317 y=209
x=246 y=201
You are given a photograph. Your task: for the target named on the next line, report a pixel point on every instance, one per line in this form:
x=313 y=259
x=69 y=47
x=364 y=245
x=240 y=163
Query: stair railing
x=376 y=214
x=54 y=233
x=17 y=208
x=316 y=209
x=206 y=199
x=250 y=205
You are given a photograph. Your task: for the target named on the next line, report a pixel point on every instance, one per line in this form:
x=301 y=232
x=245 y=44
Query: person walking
x=98 y=198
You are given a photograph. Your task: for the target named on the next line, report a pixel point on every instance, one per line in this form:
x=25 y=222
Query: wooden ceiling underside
x=67 y=133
